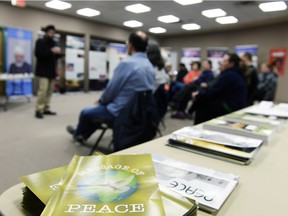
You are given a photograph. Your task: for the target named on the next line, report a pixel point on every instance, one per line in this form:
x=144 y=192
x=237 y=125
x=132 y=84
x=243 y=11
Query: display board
x=170 y=57
x=252 y=49
x=1 y=60
x=116 y=52
x=279 y=57
x=189 y=55
x=97 y=60
x=215 y=55
x=18 y=52
x=74 y=58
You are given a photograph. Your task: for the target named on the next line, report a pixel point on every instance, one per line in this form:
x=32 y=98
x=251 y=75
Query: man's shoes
x=39 y=115
x=48 y=112
x=179 y=115
x=70 y=130
x=77 y=139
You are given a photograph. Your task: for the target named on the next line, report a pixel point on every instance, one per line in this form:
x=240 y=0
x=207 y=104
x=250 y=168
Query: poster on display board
x=1 y=61
x=252 y=49
x=170 y=57
x=116 y=53
x=97 y=60
x=215 y=55
x=74 y=58
x=189 y=55
x=278 y=57
x=18 y=52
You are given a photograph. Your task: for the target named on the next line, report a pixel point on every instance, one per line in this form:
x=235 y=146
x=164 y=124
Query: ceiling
x=113 y=13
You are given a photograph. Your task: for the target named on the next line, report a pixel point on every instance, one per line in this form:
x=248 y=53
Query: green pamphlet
x=110 y=185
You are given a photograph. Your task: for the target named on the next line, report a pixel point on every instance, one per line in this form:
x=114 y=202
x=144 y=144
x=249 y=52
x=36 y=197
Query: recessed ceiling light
x=58 y=5
x=191 y=26
x=168 y=19
x=138 y=8
x=157 y=30
x=188 y=2
x=227 y=20
x=89 y=12
x=133 y=23
x=273 y=6
x=212 y=13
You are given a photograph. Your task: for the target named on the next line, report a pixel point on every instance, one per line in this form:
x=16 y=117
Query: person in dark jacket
x=227 y=94
x=46 y=53
x=251 y=77
x=184 y=95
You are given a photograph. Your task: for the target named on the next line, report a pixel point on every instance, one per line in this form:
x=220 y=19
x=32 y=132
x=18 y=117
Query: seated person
x=162 y=79
x=155 y=57
x=182 y=72
x=133 y=74
x=193 y=74
x=182 y=98
x=188 y=78
x=267 y=86
x=227 y=94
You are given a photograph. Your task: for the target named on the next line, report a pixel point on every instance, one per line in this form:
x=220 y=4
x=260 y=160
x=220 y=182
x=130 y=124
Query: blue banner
x=18 y=52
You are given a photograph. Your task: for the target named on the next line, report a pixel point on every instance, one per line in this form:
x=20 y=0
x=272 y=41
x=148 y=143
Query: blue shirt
x=133 y=74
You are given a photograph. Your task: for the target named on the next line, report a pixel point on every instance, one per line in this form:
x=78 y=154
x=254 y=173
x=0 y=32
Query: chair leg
x=98 y=141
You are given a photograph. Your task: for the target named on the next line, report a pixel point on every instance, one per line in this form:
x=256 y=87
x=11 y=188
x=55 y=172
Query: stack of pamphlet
x=268 y=108
x=224 y=146
x=263 y=132
x=256 y=119
x=104 y=185
x=208 y=187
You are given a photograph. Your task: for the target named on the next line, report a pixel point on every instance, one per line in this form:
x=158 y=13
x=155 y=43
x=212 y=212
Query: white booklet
x=268 y=108
x=208 y=187
x=216 y=137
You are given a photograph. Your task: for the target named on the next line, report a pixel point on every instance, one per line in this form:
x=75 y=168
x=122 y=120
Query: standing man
x=251 y=77
x=46 y=53
x=133 y=74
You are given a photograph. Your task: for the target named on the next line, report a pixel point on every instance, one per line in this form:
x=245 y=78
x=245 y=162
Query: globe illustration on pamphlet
x=108 y=186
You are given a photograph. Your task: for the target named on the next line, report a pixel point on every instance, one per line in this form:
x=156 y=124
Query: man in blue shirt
x=133 y=74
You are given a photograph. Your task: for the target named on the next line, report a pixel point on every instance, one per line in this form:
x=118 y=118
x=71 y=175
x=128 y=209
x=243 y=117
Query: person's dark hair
x=139 y=40
x=154 y=54
x=182 y=65
x=248 y=56
x=209 y=62
x=197 y=63
x=234 y=58
x=49 y=27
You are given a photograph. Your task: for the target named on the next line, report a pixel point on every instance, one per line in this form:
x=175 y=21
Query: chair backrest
x=162 y=99
x=137 y=123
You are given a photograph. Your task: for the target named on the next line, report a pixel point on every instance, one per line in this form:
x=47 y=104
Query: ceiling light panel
x=227 y=20
x=138 y=8
x=212 y=13
x=273 y=6
x=191 y=26
x=188 y=2
x=133 y=24
x=58 y=5
x=168 y=19
x=89 y=12
x=157 y=30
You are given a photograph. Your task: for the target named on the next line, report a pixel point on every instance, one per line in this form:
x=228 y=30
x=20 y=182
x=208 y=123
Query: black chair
x=162 y=98
x=137 y=123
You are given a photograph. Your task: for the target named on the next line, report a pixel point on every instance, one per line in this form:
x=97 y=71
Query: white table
x=261 y=191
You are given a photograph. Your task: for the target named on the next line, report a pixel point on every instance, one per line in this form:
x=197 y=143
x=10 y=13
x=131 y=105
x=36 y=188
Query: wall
x=34 y=19
x=266 y=37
